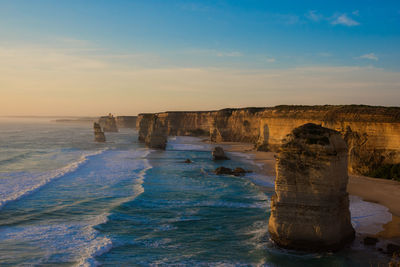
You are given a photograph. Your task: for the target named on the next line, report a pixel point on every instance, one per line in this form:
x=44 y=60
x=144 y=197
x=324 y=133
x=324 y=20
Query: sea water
x=68 y=201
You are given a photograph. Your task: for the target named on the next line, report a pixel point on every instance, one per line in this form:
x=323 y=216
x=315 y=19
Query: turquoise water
x=67 y=201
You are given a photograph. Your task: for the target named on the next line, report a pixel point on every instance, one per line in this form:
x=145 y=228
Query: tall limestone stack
x=98 y=133
x=157 y=133
x=109 y=123
x=310 y=210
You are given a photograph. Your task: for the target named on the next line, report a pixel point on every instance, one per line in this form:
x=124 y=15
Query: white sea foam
x=18 y=188
x=79 y=241
x=97 y=245
x=69 y=239
x=187 y=143
x=102 y=245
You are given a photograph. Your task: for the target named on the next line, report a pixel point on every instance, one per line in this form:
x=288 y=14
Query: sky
x=89 y=58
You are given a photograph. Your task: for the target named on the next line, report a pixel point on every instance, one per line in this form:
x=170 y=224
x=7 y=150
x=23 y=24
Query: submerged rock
x=98 y=133
x=228 y=171
x=219 y=154
x=223 y=170
x=370 y=241
x=310 y=210
x=239 y=171
x=392 y=248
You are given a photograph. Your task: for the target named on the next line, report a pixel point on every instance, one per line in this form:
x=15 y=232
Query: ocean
x=68 y=201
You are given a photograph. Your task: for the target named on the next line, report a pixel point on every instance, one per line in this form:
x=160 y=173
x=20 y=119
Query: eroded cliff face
x=372 y=133
x=108 y=123
x=177 y=123
x=153 y=131
x=126 y=122
x=310 y=210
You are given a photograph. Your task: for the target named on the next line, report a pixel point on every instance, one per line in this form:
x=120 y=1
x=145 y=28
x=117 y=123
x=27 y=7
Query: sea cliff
x=126 y=121
x=371 y=133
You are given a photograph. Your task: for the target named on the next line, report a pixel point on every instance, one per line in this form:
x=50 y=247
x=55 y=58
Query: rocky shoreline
x=371 y=133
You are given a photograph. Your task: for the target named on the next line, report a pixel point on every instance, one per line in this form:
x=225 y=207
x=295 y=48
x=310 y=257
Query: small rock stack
x=310 y=210
x=219 y=154
x=98 y=133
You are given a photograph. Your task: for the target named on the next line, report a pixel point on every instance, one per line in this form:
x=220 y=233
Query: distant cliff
x=108 y=123
x=126 y=121
x=372 y=133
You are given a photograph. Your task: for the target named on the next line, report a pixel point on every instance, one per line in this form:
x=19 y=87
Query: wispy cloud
x=370 y=56
x=212 y=53
x=287 y=19
x=345 y=20
x=314 y=15
x=195 y=7
x=229 y=54
x=270 y=60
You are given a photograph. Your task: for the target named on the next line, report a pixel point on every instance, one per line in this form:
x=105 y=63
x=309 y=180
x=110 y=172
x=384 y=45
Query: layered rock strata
x=372 y=133
x=108 y=123
x=156 y=133
x=126 y=122
x=310 y=210
x=98 y=133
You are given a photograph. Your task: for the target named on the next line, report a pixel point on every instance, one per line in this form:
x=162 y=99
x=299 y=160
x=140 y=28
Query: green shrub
x=387 y=171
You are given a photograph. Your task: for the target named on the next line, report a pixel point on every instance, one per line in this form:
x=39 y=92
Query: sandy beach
x=369 y=190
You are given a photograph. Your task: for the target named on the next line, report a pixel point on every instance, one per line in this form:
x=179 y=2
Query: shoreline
x=372 y=191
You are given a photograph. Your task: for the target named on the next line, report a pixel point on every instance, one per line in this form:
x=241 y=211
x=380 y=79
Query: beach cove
x=374 y=203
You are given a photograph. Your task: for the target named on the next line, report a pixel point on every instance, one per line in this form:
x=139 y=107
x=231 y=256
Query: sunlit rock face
x=108 y=123
x=310 y=210
x=98 y=133
x=126 y=122
x=156 y=134
x=372 y=133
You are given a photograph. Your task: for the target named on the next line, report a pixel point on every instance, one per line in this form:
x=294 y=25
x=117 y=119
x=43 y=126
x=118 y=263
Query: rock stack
x=98 y=133
x=109 y=123
x=219 y=154
x=157 y=134
x=310 y=210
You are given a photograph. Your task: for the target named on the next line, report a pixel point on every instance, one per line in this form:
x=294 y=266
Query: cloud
x=212 y=53
x=229 y=54
x=195 y=7
x=314 y=16
x=344 y=20
x=44 y=80
x=356 y=12
x=270 y=60
x=370 y=56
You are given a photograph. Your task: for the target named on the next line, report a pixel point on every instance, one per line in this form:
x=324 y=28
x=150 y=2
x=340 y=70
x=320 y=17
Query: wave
x=97 y=245
x=79 y=241
x=102 y=245
x=15 y=158
x=65 y=239
x=48 y=177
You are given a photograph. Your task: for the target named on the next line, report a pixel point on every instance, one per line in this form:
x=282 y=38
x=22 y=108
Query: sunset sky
x=126 y=57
